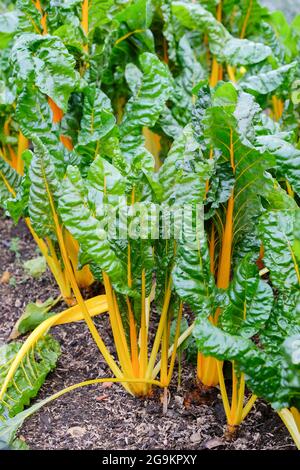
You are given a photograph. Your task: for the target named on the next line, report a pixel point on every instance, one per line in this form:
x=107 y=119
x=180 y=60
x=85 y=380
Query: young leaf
x=35 y=267
x=34 y=315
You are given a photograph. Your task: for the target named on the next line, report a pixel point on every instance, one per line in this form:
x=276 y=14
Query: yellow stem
x=241 y=395
x=22 y=145
x=246 y=20
x=209 y=371
x=122 y=337
x=277 y=107
x=248 y=407
x=181 y=339
x=133 y=339
x=114 y=324
x=152 y=144
x=54 y=265
x=160 y=329
x=214 y=78
x=164 y=354
x=223 y=391
x=85 y=16
x=83 y=276
x=127 y=35
x=296 y=415
x=216 y=70
x=143 y=330
x=175 y=345
x=132 y=323
x=225 y=258
x=234 y=397
x=85 y=20
x=39 y=331
x=231 y=73
x=289 y=189
x=219 y=11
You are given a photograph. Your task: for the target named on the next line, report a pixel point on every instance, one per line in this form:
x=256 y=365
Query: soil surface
x=105 y=416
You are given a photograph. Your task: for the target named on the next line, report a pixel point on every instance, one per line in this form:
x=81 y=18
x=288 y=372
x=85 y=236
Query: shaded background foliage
x=290 y=7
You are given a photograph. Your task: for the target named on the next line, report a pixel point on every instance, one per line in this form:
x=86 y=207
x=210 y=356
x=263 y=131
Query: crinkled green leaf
x=144 y=108
x=192 y=278
x=29 y=378
x=78 y=218
x=104 y=176
x=43 y=189
x=184 y=174
x=138 y=14
x=267 y=82
x=277 y=234
x=250 y=302
x=30 y=17
x=225 y=47
x=287 y=158
x=191 y=74
x=9 y=180
x=230 y=128
x=46 y=61
x=97 y=119
x=33 y=112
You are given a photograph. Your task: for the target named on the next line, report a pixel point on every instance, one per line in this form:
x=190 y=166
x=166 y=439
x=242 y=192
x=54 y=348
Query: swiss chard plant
x=250 y=220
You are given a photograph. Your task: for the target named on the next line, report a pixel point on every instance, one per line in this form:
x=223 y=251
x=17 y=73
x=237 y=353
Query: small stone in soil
x=196 y=437
x=76 y=432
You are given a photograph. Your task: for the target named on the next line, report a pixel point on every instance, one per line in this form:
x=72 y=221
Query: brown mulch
x=106 y=417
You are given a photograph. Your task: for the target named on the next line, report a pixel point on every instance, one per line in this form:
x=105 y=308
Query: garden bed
x=106 y=417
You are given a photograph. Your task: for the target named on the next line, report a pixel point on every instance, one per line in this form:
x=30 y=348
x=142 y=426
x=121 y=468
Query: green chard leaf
x=10 y=181
x=45 y=61
x=184 y=173
x=144 y=108
x=277 y=231
x=250 y=302
x=287 y=157
x=34 y=314
x=78 y=218
x=43 y=192
x=27 y=381
x=268 y=81
x=97 y=120
x=225 y=47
